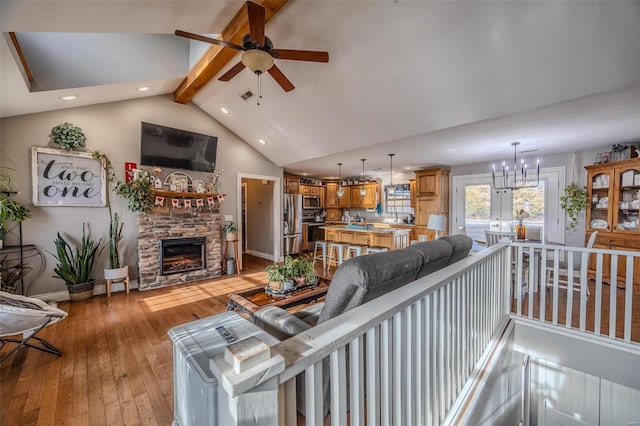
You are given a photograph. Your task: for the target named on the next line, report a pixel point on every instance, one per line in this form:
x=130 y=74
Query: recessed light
x=224 y=110
x=262 y=141
x=408 y=168
x=305 y=174
x=143 y=88
x=68 y=97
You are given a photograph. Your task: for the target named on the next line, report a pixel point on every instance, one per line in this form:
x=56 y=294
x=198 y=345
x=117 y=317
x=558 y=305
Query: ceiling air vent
x=247 y=95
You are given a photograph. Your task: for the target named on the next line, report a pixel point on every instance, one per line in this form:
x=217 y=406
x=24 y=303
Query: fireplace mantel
x=155 y=226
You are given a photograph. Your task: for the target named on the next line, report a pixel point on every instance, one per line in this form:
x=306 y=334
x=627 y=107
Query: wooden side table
x=235 y=254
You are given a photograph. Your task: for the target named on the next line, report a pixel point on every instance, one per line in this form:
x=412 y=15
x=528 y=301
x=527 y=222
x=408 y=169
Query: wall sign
x=67 y=178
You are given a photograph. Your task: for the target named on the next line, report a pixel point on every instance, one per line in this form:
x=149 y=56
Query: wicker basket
x=81 y=292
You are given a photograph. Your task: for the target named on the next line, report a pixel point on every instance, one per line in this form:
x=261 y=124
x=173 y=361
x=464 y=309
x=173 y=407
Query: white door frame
x=554 y=215
x=277 y=205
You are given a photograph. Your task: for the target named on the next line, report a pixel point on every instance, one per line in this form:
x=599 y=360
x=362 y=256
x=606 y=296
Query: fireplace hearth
x=178 y=255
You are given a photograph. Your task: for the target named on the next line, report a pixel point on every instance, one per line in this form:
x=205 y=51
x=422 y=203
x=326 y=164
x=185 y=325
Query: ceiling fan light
x=258 y=61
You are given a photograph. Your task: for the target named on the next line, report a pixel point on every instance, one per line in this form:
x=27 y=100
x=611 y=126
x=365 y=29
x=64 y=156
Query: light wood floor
x=116 y=366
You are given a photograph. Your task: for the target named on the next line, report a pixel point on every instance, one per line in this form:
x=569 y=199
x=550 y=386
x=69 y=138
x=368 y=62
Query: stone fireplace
x=177 y=247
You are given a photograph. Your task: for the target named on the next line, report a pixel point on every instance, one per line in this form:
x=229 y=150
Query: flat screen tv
x=177 y=149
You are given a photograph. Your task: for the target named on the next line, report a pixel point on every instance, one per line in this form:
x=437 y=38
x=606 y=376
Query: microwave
x=310 y=202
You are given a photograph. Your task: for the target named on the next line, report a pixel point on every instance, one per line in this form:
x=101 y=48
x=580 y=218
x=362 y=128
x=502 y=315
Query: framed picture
x=67 y=178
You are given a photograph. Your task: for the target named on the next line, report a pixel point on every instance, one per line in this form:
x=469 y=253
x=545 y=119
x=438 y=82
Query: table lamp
x=437 y=223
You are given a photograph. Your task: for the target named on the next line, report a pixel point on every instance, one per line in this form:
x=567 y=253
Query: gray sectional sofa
x=364 y=278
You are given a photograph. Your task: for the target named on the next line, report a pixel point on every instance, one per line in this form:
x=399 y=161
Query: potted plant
x=138 y=193
x=573 y=202
x=303 y=270
x=68 y=136
x=10 y=210
x=75 y=265
x=275 y=276
x=230 y=230
x=115 y=271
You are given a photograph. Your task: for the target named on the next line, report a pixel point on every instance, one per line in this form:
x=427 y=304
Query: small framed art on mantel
x=67 y=178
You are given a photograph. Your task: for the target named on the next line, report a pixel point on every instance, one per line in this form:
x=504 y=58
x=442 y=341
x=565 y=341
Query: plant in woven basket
x=75 y=264
x=68 y=136
x=573 y=202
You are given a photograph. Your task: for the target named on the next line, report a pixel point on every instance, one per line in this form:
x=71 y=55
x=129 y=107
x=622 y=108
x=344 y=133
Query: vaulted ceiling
x=436 y=82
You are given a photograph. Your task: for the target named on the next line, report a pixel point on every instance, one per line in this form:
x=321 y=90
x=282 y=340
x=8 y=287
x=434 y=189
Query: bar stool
x=355 y=250
x=323 y=245
x=375 y=249
x=336 y=249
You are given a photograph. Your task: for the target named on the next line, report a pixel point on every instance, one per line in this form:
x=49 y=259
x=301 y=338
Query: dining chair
x=494 y=237
x=563 y=270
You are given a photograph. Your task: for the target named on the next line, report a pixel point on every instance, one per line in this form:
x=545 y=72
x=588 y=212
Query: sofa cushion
x=435 y=255
x=364 y=278
x=461 y=246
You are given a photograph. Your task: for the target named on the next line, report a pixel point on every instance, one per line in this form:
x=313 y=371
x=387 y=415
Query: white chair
x=26 y=316
x=563 y=270
x=494 y=237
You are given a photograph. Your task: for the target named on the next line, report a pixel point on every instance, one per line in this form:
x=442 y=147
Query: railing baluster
x=385 y=372
x=599 y=271
x=290 y=407
x=628 y=299
x=570 y=278
x=338 y=363
x=407 y=362
x=398 y=393
x=356 y=373
x=313 y=394
x=543 y=286
x=583 y=297
x=613 y=293
x=420 y=349
x=373 y=377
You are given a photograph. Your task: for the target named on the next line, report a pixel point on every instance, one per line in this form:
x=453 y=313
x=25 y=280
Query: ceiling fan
x=257 y=50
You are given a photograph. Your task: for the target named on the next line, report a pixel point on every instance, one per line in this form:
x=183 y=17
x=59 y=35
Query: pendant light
x=391 y=188
x=514 y=183
x=363 y=190
x=340 y=191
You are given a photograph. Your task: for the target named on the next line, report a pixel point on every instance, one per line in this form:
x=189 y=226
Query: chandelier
x=363 y=190
x=340 y=191
x=510 y=178
x=391 y=188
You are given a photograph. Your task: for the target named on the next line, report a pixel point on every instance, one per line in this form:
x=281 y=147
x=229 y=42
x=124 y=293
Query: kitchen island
x=391 y=238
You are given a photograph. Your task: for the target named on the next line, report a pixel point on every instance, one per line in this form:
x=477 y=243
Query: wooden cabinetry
x=353 y=200
x=613 y=190
x=432 y=197
x=333 y=215
x=332 y=201
x=412 y=193
x=344 y=202
x=309 y=190
x=291 y=184
x=356 y=198
x=322 y=197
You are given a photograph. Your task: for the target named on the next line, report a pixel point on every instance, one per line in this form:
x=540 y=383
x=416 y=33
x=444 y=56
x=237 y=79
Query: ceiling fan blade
x=280 y=78
x=208 y=39
x=232 y=72
x=256 y=22
x=301 y=55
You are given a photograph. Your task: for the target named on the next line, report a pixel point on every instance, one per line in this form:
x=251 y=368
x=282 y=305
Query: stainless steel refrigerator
x=292 y=225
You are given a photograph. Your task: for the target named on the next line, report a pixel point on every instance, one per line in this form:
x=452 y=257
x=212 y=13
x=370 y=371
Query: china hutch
x=613 y=191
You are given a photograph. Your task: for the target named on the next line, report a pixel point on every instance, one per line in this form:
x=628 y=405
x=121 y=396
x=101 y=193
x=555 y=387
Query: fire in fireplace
x=179 y=255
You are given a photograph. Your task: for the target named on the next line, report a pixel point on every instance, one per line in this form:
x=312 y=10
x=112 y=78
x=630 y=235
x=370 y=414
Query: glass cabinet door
x=628 y=194
x=600 y=205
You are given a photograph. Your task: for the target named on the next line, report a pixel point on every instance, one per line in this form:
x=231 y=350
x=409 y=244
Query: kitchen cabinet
x=412 y=193
x=372 y=196
x=309 y=190
x=305 y=236
x=613 y=190
x=291 y=184
x=333 y=215
x=332 y=201
x=432 y=197
x=344 y=202
x=322 y=197
x=356 y=198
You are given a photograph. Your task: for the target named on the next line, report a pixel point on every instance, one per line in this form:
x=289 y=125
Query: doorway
x=258 y=207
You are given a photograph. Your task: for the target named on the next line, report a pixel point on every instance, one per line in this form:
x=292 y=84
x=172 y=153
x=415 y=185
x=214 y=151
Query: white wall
x=113 y=129
x=260 y=212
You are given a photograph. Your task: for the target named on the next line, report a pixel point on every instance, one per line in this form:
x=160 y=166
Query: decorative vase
x=288 y=284
x=521 y=231
x=81 y=292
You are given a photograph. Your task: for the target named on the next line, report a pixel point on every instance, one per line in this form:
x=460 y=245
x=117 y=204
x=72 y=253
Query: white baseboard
x=61 y=296
x=260 y=254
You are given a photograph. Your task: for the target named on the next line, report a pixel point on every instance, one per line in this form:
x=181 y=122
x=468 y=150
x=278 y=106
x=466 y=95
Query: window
x=400 y=201
x=479 y=207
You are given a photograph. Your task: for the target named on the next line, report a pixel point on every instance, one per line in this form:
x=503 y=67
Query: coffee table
x=255 y=298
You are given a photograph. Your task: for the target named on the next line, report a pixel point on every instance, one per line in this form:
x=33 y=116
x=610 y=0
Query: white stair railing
x=595 y=295
x=402 y=358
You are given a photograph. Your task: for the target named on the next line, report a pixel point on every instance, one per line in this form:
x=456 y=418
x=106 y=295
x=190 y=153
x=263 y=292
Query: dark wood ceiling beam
x=216 y=57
